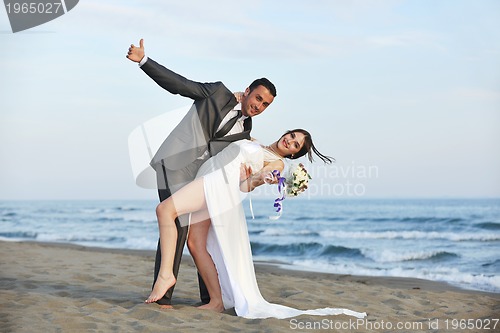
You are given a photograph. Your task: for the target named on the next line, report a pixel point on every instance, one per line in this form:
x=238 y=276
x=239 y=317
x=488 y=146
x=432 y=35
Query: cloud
x=220 y=29
x=407 y=39
x=476 y=94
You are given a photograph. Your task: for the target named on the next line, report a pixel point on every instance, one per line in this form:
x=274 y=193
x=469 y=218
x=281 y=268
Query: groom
x=214 y=121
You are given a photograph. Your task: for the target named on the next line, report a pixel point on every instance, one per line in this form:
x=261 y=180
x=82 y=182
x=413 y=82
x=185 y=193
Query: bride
x=218 y=236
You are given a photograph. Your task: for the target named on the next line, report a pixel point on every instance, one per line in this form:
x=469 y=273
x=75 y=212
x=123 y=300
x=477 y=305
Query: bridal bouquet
x=294 y=183
x=297 y=180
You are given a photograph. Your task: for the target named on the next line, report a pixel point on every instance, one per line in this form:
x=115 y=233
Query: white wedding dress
x=228 y=242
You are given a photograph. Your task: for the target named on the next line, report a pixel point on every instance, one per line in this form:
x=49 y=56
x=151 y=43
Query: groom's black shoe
x=204 y=296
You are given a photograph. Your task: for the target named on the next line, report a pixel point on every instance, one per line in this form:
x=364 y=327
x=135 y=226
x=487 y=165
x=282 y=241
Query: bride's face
x=290 y=143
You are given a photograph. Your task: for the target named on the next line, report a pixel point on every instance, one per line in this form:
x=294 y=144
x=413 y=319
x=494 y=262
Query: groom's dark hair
x=265 y=83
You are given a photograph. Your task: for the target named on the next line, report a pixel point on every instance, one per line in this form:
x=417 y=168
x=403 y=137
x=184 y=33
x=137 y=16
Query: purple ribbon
x=281 y=190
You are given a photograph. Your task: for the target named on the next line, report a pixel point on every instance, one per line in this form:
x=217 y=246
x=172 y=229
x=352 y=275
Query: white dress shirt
x=238 y=127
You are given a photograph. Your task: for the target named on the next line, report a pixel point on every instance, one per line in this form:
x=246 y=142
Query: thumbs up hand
x=135 y=53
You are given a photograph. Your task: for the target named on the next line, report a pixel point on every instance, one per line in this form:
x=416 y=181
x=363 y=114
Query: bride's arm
x=258 y=178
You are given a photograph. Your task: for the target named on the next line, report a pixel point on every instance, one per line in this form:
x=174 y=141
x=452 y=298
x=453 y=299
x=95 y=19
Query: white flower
x=297 y=180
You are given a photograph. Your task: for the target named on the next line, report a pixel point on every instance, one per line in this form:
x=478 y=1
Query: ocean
x=451 y=240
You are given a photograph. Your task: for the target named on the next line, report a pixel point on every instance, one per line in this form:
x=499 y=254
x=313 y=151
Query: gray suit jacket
x=196 y=132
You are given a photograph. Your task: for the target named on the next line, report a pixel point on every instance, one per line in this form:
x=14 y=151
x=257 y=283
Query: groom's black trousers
x=182 y=231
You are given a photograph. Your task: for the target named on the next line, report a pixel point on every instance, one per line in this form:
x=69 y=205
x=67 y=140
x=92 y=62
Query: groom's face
x=256 y=101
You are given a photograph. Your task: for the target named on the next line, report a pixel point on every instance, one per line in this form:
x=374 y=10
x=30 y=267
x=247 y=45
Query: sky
x=404 y=94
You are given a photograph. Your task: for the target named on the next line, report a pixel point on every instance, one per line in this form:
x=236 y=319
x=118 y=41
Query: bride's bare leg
x=197 y=244
x=190 y=198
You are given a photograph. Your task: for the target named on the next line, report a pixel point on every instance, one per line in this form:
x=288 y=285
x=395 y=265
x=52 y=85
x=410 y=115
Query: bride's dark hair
x=308 y=148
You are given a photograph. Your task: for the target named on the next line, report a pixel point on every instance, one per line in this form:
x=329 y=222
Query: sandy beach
x=68 y=288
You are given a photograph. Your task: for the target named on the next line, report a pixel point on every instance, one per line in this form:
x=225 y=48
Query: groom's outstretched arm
x=169 y=80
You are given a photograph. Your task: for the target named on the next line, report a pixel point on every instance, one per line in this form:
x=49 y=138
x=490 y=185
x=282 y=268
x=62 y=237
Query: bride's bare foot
x=160 y=288
x=213 y=306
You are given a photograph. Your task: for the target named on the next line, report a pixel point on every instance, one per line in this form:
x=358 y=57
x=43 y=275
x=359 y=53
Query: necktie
x=227 y=127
